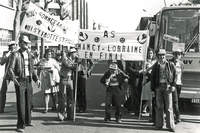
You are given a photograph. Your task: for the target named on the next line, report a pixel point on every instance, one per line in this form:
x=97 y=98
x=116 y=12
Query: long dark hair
x=47 y=51
x=154 y=55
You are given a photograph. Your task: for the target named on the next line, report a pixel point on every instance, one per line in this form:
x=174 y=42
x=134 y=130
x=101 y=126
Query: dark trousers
x=65 y=95
x=23 y=95
x=113 y=95
x=178 y=88
x=175 y=98
x=136 y=94
x=154 y=109
x=164 y=104
x=4 y=88
x=81 y=94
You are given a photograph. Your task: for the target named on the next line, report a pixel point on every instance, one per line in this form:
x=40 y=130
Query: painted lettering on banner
x=132 y=47
x=49 y=27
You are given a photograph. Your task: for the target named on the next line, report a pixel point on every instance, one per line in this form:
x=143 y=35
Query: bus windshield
x=180 y=26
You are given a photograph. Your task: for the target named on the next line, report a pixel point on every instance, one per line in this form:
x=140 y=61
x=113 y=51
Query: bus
x=179 y=27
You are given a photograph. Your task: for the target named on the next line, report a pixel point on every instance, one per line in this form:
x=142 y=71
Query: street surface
x=92 y=121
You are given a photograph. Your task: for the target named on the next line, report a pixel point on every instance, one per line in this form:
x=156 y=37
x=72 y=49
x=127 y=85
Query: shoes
x=20 y=130
x=29 y=125
x=45 y=111
x=172 y=130
x=107 y=119
x=54 y=109
x=61 y=117
x=118 y=120
x=82 y=111
x=150 y=120
x=158 y=128
x=137 y=114
x=144 y=111
x=69 y=119
x=177 y=121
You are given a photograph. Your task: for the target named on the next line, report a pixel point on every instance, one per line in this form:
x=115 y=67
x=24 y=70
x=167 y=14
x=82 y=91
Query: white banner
x=116 y=46
x=42 y=24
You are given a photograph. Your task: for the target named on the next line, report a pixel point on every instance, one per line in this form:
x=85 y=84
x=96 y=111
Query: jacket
x=85 y=67
x=170 y=75
x=5 y=60
x=16 y=66
x=67 y=67
x=120 y=77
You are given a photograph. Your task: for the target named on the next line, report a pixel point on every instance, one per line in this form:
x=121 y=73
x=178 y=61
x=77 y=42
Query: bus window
x=182 y=24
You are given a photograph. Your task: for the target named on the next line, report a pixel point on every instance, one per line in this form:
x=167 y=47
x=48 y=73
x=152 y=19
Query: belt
x=114 y=84
x=163 y=83
x=24 y=78
x=67 y=78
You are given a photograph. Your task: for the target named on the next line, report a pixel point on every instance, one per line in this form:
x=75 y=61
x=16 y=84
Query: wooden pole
x=75 y=93
x=143 y=79
x=143 y=68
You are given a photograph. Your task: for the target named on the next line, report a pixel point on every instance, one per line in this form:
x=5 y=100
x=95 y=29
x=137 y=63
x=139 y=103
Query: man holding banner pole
x=66 y=92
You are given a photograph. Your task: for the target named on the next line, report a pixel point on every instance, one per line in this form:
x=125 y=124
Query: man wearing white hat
x=163 y=83
x=113 y=79
x=22 y=73
x=6 y=80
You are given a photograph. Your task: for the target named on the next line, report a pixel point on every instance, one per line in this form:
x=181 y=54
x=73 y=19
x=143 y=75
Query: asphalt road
x=92 y=121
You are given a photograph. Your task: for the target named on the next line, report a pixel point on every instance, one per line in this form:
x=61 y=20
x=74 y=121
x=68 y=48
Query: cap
x=178 y=51
x=161 y=52
x=48 y=50
x=113 y=66
x=11 y=43
x=72 y=50
x=25 y=39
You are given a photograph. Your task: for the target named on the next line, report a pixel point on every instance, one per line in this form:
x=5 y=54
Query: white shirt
x=25 y=54
x=178 y=73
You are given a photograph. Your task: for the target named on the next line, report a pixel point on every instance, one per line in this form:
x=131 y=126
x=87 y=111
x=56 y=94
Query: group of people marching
x=158 y=84
x=54 y=74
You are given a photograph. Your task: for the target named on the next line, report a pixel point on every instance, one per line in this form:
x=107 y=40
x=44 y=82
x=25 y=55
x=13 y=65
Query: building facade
x=78 y=10
x=6 y=24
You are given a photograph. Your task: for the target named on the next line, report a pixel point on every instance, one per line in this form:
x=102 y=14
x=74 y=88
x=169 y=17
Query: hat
x=161 y=52
x=178 y=51
x=25 y=39
x=113 y=66
x=72 y=50
x=48 y=50
x=11 y=43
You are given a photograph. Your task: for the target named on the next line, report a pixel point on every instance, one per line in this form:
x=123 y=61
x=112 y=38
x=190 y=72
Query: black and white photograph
x=99 y=66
